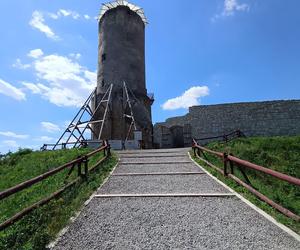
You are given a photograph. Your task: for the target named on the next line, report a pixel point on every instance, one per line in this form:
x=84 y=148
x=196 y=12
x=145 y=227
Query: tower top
x=115 y=4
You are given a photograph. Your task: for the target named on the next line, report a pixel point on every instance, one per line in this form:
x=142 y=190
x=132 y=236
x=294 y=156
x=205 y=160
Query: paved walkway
x=159 y=199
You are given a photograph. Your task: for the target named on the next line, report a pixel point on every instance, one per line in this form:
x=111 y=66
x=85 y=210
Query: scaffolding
x=74 y=135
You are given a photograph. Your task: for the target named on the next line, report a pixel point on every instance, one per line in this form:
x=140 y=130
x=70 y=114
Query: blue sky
x=197 y=52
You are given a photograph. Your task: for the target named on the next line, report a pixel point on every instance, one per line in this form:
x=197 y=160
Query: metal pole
x=105 y=112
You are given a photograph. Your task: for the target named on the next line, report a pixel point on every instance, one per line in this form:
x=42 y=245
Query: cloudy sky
x=197 y=52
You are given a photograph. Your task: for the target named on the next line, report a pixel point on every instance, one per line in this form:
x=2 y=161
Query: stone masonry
x=267 y=118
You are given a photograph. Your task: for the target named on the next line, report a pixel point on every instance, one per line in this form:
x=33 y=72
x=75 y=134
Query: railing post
x=225 y=139
x=194 y=147
x=199 y=151
x=86 y=162
x=108 y=148
x=231 y=164
x=84 y=144
x=104 y=151
x=225 y=160
x=79 y=167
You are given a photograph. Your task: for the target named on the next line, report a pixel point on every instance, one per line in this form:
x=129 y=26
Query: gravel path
x=169 y=222
x=173 y=223
x=154 y=168
x=161 y=184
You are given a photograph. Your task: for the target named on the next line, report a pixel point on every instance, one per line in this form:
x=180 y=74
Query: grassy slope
x=35 y=230
x=277 y=153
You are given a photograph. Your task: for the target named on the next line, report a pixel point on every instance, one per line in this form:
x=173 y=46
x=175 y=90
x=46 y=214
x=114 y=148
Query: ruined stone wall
x=268 y=118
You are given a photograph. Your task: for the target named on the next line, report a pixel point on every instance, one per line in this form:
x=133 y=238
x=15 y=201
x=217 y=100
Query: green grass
x=41 y=226
x=278 y=153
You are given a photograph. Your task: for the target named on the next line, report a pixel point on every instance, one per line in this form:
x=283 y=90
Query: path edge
x=257 y=209
x=63 y=231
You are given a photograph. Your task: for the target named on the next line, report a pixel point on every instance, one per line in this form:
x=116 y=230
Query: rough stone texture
x=269 y=118
x=173 y=223
x=121 y=58
x=161 y=168
x=161 y=184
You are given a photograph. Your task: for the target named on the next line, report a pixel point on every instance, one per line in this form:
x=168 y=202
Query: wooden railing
x=79 y=162
x=229 y=172
x=225 y=137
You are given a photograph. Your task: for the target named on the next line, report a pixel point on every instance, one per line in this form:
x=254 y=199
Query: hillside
x=35 y=230
x=278 y=153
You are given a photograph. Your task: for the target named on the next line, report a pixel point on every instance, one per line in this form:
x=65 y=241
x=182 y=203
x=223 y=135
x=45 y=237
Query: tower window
x=103 y=57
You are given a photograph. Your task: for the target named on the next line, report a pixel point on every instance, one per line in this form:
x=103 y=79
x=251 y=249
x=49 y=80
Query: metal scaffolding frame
x=131 y=116
x=74 y=133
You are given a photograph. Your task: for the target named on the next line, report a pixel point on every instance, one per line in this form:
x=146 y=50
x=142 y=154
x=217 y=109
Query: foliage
x=278 y=153
x=38 y=228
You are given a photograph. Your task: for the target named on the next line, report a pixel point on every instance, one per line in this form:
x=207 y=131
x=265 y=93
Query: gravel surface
x=154 y=159
x=153 y=154
x=169 y=222
x=173 y=223
x=135 y=168
x=154 y=151
x=161 y=184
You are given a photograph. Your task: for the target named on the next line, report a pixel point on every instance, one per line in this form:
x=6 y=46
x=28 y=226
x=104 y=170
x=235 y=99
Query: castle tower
x=121 y=58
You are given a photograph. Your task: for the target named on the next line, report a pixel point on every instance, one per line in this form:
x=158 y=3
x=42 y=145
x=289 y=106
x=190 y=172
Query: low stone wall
x=268 y=118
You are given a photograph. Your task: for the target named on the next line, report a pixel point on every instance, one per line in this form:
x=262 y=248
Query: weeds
x=278 y=153
x=37 y=229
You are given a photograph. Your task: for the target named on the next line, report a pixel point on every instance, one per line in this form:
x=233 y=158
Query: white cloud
x=19 y=65
x=71 y=13
x=32 y=87
x=65 y=81
x=189 y=98
x=75 y=55
x=38 y=22
x=35 y=53
x=45 y=139
x=9 y=90
x=13 y=135
x=66 y=13
x=10 y=143
x=87 y=17
x=230 y=7
x=50 y=127
x=53 y=16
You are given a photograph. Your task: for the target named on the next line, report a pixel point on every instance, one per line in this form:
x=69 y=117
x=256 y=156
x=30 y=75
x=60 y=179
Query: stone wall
x=268 y=118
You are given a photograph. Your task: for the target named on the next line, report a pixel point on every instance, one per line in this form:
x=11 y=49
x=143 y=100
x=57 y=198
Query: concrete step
x=153 y=184
x=154 y=159
x=158 y=155
x=150 y=168
x=154 y=151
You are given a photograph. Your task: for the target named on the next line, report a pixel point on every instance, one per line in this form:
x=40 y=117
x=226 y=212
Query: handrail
x=281 y=176
x=207 y=150
x=28 y=183
x=239 y=162
x=21 y=186
x=238 y=133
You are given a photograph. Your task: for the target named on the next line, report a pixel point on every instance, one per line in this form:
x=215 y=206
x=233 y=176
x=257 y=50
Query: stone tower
x=121 y=58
